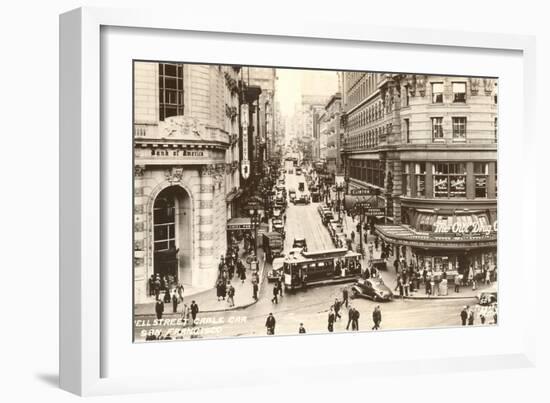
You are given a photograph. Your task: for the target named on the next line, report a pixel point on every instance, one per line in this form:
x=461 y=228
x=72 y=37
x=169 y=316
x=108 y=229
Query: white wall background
x=29 y=202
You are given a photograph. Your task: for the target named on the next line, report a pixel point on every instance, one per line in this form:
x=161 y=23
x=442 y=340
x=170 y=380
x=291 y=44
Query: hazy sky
x=291 y=83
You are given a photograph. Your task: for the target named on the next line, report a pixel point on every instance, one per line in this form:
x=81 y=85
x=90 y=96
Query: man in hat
x=464 y=315
x=270 y=324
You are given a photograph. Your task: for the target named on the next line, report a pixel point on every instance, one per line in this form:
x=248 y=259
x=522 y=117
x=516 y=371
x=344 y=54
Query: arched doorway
x=172 y=235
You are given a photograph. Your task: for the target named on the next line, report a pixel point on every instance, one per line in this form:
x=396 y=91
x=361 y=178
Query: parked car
x=488 y=296
x=372 y=288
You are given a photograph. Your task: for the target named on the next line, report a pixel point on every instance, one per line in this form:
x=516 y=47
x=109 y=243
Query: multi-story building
x=428 y=146
x=186 y=152
x=333 y=110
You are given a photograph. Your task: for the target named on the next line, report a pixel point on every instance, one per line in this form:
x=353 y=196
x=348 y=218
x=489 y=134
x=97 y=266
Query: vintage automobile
x=372 y=288
x=488 y=296
x=276 y=269
x=300 y=243
x=292 y=195
x=303 y=199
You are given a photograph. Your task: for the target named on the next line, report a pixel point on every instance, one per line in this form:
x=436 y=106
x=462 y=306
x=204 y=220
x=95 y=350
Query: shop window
x=420 y=178
x=170 y=90
x=459 y=92
x=459 y=129
x=437 y=129
x=437 y=93
x=481 y=172
x=449 y=180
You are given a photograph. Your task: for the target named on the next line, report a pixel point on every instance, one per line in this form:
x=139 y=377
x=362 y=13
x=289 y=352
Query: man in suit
x=159 y=308
x=464 y=315
x=376 y=317
x=194 y=311
x=270 y=324
x=351 y=314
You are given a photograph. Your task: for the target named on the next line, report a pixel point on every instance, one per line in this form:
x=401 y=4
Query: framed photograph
x=233 y=189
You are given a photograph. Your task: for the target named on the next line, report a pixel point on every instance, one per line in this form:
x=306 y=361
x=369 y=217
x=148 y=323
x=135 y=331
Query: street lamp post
x=254 y=221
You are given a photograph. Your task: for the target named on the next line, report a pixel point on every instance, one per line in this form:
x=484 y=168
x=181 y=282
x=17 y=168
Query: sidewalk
x=207 y=300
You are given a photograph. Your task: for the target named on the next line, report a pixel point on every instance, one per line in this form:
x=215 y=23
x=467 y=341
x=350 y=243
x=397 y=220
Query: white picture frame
x=83 y=337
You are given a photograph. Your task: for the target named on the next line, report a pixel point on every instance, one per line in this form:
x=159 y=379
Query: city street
x=303 y=221
x=310 y=307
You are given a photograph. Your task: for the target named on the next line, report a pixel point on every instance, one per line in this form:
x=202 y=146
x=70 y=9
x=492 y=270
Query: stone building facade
x=428 y=146
x=186 y=163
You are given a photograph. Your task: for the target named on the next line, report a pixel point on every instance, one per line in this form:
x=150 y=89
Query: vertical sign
x=245 y=163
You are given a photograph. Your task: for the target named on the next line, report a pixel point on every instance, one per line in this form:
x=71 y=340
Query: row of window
x=458 y=92
x=368 y=171
x=458 y=132
x=366 y=139
x=449 y=180
x=362 y=89
x=367 y=115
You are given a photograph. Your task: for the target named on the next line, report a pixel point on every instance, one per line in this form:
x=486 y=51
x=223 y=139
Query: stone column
x=205 y=274
x=140 y=216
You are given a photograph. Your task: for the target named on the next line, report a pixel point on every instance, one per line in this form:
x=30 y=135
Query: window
x=437 y=93
x=449 y=180
x=407 y=96
x=496 y=180
x=164 y=224
x=481 y=171
x=459 y=92
x=170 y=90
x=459 y=129
x=437 y=128
x=407 y=131
x=420 y=178
x=496 y=129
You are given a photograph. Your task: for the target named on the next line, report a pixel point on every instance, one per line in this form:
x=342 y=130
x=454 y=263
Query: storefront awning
x=403 y=235
x=239 y=223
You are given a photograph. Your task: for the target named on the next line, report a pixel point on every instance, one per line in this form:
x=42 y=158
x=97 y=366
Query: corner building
x=185 y=160
x=428 y=146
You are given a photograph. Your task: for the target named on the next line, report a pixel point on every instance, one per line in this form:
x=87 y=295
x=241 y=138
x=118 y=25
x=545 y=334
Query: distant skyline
x=293 y=83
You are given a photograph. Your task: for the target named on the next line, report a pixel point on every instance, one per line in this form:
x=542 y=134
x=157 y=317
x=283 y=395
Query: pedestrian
x=219 y=292
x=487 y=277
x=471 y=317
x=337 y=306
x=464 y=315
x=180 y=290
x=270 y=324
x=345 y=296
x=355 y=320
x=255 y=290
x=280 y=285
x=437 y=282
x=230 y=295
x=352 y=236
x=274 y=300
x=400 y=285
x=194 y=311
x=406 y=285
x=186 y=314
x=350 y=316
x=376 y=317
x=376 y=241
x=175 y=302
x=301 y=329
x=159 y=308
x=242 y=276
x=331 y=319
x=396 y=265
x=457 y=280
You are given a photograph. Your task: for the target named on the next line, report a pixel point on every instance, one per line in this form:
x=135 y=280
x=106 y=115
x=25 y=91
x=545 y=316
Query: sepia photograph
x=273 y=201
